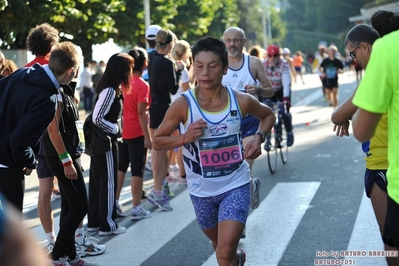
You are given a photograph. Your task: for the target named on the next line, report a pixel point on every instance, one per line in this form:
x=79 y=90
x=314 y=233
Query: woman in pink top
x=135 y=129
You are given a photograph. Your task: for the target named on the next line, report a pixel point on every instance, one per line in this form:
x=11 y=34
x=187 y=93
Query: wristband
x=65 y=159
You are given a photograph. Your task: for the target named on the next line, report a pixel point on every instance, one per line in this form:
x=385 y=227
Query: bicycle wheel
x=283 y=144
x=272 y=152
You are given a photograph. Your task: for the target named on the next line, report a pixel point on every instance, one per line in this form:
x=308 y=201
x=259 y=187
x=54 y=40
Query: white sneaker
x=182 y=181
x=119 y=230
x=93 y=229
x=50 y=247
x=119 y=211
x=161 y=201
x=79 y=262
x=140 y=214
x=89 y=248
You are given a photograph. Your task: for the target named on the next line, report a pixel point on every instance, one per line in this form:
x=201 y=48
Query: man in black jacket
x=28 y=100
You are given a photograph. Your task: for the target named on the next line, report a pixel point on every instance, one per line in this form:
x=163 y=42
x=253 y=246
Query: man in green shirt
x=379 y=91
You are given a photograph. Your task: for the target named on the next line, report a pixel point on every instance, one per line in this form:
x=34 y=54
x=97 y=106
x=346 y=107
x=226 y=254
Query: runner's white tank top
x=214 y=162
x=237 y=79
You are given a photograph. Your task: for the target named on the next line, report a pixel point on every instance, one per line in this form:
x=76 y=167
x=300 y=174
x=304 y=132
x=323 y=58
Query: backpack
x=67 y=126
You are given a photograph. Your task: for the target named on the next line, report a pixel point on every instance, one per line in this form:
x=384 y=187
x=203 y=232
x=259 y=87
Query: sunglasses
x=352 y=54
x=275 y=56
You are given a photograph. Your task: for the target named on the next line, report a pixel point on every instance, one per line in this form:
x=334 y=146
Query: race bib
x=220 y=156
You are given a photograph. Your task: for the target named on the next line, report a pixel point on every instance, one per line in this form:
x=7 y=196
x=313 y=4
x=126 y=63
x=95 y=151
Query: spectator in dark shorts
x=164 y=80
x=135 y=134
x=377 y=94
x=330 y=68
x=375 y=180
x=40 y=40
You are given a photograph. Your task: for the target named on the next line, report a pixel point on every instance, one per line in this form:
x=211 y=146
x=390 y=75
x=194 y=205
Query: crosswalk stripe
x=271 y=226
x=366 y=235
x=147 y=236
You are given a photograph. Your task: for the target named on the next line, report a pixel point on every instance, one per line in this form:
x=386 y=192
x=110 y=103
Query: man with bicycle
x=243 y=74
x=278 y=71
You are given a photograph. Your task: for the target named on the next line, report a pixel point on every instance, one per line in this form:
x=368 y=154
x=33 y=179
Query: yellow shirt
x=377 y=148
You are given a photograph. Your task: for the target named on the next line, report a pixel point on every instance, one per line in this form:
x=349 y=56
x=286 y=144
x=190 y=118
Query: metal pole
x=147 y=18
x=264 y=29
x=269 y=23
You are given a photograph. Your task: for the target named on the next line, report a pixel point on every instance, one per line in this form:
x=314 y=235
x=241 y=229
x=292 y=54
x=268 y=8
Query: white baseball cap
x=286 y=50
x=151 y=32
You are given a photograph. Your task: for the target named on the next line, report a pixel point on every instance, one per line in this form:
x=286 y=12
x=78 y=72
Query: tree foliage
x=85 y=22
x=312 y=21
x=88 y=22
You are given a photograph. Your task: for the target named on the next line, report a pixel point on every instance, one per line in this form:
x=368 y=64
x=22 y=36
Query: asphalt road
x=311 y=206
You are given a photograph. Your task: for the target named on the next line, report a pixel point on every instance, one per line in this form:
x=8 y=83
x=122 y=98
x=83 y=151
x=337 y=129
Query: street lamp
x=266 y=21
x=147 y=19
x=264 y=28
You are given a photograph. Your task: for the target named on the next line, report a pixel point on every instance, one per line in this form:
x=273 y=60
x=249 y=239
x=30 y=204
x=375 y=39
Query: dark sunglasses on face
x=275 y=56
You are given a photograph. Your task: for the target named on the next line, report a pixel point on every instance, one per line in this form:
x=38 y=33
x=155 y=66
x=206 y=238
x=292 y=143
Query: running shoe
x=171 y=177
x=174 y=168
x=50 y=247
x=93 y=229
x=148 y=165
x=243 y=233
x=166 y=191
x=89 y=248
x=79 y=262
x=140 y=214
x=160 y=201
x=240 y=257
x=255 y=187
x=119 y=211
x=56 y=194
x=119 y=230
x=182 y=181
x=290 y=139
x=60 y=262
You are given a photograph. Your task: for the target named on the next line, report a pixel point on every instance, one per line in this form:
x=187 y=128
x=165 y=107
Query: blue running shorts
x=231 y=205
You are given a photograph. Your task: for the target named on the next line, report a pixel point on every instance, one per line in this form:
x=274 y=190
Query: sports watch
x=262 y=135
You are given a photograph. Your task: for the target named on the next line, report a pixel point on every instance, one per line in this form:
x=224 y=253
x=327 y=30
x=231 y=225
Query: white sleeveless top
x=237 y=79
x=215 y=163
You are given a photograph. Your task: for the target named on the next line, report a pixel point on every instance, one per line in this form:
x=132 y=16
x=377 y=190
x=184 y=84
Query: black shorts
x=157 y=113
x=133 y=152
x=123 y=156
x=42 y=167
x=331 y=83
x=391 y=228
x=375 y=176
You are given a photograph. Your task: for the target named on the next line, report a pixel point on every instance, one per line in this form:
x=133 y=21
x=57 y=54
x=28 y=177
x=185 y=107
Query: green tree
x=227 y=15
x=85 y=22
x=312 y=21
x=17 y=17
x=130 y=22
x=194 y=18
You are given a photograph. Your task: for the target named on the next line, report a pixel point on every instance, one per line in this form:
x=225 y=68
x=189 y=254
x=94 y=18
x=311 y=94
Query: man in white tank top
x=244 y=74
